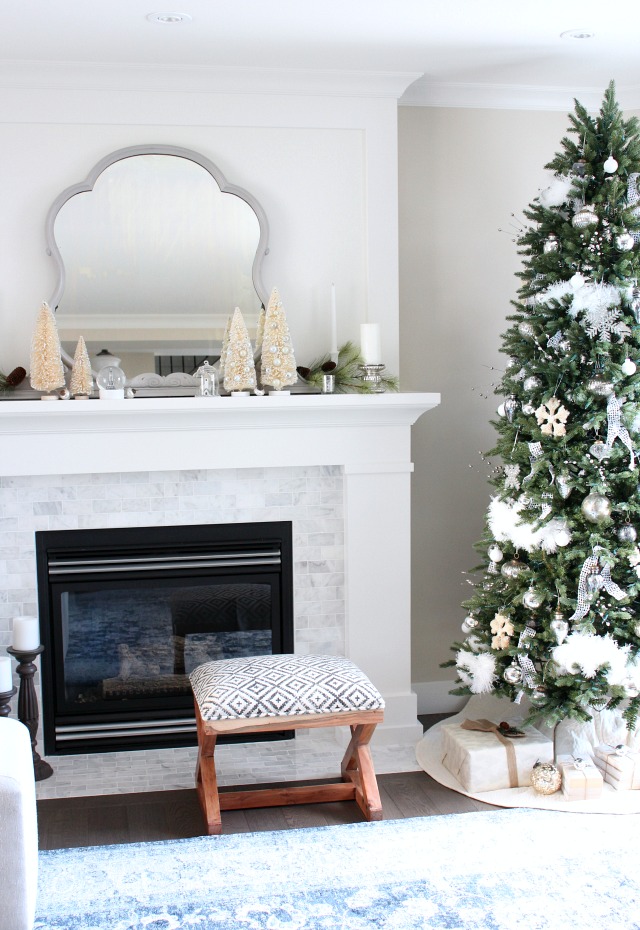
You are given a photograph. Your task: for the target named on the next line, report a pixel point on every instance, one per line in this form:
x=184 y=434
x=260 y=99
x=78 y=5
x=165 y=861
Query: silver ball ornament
x=596 y=508
x=532 y=383
x=532 y=599
x=513 y=570
x=546 y=778
x=628 y=367
x=585 y=217
x=538 y=696
x=512 y=675
x=551 y=244
x=627 y=533
x=599 y=386
x=469 y=624
x=526 y=329
x=611 y=165
x=528 y=409
x=624 y=242
x=501 y=411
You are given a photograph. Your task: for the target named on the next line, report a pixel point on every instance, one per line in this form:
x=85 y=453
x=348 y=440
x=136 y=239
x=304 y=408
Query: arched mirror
x=154 y=251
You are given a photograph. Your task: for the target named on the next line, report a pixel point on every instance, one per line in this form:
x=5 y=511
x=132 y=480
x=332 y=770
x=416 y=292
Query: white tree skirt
x=576 y=738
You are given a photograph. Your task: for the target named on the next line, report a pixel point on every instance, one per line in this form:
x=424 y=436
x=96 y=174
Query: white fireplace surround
x=367 y=437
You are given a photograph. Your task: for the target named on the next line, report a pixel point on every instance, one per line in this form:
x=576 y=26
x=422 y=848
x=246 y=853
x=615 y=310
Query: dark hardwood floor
x=166 y=815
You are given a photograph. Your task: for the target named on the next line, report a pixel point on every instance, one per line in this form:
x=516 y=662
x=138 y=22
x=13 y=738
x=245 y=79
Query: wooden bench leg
x=207 y=780
x=357 y=766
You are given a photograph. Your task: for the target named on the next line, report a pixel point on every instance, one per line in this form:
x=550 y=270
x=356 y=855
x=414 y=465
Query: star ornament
x=551 y=417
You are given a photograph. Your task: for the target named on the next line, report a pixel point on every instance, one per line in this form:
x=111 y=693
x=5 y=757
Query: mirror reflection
x=153 y=260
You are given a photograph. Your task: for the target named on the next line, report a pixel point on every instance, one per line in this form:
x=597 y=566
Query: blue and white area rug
x=503 y=870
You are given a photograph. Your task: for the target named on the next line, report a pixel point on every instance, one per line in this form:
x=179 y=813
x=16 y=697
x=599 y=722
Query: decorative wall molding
x=162 y=79
x=424 y=93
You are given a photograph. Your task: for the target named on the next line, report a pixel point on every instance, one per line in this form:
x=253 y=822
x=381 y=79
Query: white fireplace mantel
x=368 y=436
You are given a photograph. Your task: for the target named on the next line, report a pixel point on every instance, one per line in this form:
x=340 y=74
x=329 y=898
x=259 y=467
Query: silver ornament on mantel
x=559 y=627
x=551 y=244
x=532 y=383
x=624 y=242
x=532 y=599
x=513 y=570
x=596 y=508
x=585 y=217
x=627 y=533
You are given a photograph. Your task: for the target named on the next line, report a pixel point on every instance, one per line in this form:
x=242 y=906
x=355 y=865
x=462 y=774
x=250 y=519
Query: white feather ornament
x=476 y=670
x=586 y=653
x=557 y=192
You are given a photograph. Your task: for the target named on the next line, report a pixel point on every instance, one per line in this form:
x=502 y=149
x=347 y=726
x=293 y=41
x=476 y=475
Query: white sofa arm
x=18 y=828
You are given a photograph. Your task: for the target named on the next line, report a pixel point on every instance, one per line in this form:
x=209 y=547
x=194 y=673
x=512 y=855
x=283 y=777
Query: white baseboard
x=434 y=697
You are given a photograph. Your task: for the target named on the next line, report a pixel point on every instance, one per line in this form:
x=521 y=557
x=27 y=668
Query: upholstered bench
x=286 y=692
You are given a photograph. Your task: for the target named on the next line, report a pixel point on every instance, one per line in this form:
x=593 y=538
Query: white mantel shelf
x=165 y=433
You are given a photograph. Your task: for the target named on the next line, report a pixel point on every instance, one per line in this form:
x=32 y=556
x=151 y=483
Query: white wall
x=462 y=174
x=323 y=168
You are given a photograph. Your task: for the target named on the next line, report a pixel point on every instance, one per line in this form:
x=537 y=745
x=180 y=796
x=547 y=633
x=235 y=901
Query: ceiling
x=462 y=52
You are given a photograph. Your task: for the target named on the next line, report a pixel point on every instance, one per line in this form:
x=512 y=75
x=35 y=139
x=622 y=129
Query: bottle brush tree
x=47 y=370
x=555 y=610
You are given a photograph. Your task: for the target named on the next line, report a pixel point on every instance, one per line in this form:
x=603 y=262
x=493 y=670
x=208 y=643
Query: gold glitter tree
x=278 y=367
x=239 y=367
x=47 y=371
x=81 y=383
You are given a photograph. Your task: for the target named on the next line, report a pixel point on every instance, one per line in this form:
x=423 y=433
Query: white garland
x=506 y=524
x=476 y=670
x=586 y=653
x=557 y=192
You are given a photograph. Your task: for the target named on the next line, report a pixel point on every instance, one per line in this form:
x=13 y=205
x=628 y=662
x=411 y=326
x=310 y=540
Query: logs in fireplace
x=126 y=614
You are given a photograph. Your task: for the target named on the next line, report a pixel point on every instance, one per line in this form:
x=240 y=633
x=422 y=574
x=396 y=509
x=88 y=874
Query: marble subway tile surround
x=311 y=497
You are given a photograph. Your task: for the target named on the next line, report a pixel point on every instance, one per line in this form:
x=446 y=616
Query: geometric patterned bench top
x=281 y=685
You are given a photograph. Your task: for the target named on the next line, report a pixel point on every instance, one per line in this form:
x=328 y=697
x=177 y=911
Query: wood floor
x=165 y=815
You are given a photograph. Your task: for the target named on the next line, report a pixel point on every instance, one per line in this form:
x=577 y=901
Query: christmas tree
x=278 y=365
x=81 y=383
x=47 y=371
x=239 y=367
x=554 y=612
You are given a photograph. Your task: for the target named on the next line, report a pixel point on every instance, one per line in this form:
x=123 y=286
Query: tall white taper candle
x=370 y=343
x=26 y=633
x=333 y=350
x=6 y=684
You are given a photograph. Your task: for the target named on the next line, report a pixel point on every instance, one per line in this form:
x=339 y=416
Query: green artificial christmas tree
x=555 y=612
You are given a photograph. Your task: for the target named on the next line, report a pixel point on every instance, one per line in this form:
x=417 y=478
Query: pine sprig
x=346 y=371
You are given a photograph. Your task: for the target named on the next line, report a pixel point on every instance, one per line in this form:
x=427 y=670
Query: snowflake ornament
x=511 y=473
x=551 y=417
x=502 y=628
x=604 y=322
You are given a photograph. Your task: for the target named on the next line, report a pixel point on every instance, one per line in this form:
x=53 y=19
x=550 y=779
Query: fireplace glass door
x=127 y=624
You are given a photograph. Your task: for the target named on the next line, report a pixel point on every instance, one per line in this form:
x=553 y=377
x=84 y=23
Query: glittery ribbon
x=535 y=454
x=526 y=665
x=615 y=429
x=589 y=566
x=554 y=341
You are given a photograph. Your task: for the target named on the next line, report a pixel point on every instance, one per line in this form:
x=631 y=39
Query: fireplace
x=127 y=613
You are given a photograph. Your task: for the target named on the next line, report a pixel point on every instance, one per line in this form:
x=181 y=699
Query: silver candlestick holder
x=372 y=375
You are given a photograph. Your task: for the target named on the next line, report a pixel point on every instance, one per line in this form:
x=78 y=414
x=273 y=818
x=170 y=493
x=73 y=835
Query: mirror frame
x=130 y=152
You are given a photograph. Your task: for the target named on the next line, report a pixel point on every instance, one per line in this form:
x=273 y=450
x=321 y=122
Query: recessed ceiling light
x=169 y=19
x=577 y=34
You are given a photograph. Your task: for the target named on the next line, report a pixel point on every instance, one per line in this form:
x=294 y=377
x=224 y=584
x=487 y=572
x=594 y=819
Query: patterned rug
x=503 y=870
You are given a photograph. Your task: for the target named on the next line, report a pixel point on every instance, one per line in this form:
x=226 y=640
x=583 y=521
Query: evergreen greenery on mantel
x=555 y=610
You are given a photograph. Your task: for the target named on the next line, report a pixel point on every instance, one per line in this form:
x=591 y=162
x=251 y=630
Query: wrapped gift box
x=621 y=770
x=479 y=760
x=581 y=781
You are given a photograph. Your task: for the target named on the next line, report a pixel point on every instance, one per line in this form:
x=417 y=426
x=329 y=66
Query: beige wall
x=462 y=174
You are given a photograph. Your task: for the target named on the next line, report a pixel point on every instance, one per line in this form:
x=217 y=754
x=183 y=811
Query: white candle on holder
x=26 y=634
x=6 y=682
x=370 y=343
x=333 y=351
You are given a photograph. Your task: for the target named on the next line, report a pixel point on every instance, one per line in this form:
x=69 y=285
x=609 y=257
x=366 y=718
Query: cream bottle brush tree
x=278 y=366
x=223 y=350
x=81 y=383
x=239 y=367
x=47 y=370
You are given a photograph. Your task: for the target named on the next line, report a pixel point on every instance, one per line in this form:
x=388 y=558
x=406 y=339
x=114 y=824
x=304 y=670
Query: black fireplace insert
x=126 y=614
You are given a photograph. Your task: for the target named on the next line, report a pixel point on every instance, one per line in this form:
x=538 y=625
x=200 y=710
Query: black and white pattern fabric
x=281 y=685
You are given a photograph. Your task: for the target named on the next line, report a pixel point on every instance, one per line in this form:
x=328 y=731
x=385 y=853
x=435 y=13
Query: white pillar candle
x=333 y=351
x=370 y=343
x=6 y=683
x=26 y=633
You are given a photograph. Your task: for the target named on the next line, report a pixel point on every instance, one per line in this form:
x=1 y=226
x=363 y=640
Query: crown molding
x=101 y=76
x=425 y=93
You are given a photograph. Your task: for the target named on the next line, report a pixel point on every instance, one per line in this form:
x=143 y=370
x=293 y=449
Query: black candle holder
x=5 y=698
x=28 y=704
